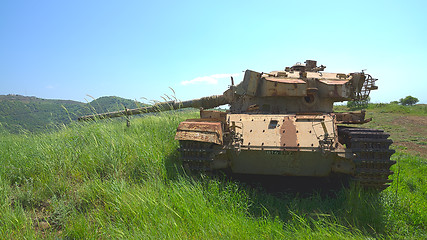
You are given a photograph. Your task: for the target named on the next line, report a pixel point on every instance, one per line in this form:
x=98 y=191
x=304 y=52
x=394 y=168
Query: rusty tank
x=283 y=123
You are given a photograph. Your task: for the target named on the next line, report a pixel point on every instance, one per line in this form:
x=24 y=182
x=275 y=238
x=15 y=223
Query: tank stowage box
x=282 y=123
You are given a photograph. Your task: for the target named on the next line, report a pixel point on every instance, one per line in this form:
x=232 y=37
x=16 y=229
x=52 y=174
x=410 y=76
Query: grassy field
x=104 y=180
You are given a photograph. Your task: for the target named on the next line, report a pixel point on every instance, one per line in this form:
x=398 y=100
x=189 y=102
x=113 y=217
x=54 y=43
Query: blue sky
x=140 y=49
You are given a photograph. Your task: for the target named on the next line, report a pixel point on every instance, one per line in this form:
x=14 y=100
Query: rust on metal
x=333 y=82
x=341 y=76
x=299 y=116
x=283 y=87
x=288 y=134
x=356 y=117
x=200 y=126
x=200 y=131
x=285 y=80
x=212 y=114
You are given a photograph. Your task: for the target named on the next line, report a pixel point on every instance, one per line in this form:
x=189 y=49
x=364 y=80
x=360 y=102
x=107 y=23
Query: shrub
x=408 y=100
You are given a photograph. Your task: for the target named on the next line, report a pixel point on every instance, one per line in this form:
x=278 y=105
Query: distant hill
x=21 y=113
x=109 y=104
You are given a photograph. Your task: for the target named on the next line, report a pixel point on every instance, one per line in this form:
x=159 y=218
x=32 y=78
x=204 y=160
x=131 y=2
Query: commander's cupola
x=308 y=66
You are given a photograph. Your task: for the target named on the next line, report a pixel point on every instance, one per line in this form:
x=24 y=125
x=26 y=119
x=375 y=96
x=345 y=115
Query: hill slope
x=21 y=113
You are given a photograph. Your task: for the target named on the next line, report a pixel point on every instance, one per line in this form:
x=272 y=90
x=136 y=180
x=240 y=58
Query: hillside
x=111 y=103
x=21 y=113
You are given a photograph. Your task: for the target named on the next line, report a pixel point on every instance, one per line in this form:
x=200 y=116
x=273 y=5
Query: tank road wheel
x=197 y=156
x=371 y=149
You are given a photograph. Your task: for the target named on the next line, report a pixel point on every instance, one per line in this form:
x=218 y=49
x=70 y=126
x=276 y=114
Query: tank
x=283 y=123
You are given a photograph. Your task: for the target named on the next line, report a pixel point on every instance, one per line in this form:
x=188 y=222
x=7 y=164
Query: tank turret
x=297 y=89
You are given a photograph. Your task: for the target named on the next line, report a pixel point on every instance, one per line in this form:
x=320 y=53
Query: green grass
x=418 y=109
x=103 y=180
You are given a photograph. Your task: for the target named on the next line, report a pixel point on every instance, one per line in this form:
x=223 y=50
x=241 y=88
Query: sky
x=147 y=50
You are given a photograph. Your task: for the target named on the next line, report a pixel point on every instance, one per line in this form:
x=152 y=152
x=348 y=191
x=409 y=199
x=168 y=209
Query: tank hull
x=311 y=145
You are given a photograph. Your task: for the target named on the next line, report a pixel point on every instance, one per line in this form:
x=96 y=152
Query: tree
x=408 y=100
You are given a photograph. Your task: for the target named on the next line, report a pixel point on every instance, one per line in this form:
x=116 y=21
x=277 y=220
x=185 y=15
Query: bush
x=408 y=100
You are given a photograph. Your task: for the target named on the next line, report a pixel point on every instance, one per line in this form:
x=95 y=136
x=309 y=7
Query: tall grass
x=104 y=180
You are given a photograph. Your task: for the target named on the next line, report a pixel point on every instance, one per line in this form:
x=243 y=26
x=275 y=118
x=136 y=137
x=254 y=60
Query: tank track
x=198 y=156
x=371 y=149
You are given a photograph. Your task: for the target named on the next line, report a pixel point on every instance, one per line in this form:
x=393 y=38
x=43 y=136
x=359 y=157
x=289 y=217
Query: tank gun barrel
x=204 y=102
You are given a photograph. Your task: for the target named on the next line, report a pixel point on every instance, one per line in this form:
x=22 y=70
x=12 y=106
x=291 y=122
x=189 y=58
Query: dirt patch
x=412 y=120
x=411 y=134
x=413 y=148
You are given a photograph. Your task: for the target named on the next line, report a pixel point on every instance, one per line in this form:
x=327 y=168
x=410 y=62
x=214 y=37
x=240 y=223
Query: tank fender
x=201 y=131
